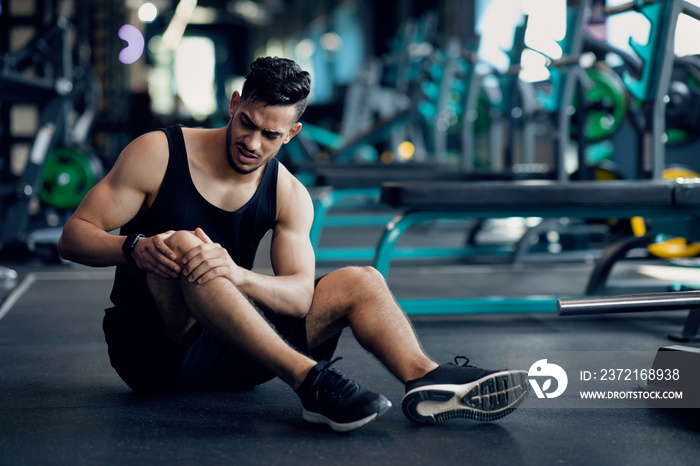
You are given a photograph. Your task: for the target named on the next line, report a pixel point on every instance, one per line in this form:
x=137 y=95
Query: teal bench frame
x=674 y=199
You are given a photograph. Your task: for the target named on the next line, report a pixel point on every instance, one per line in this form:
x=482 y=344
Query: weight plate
x=67 y=176
x=606 y=100
x=683 y=105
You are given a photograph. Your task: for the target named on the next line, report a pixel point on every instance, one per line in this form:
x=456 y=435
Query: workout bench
x=359 y=186
x=428 y=201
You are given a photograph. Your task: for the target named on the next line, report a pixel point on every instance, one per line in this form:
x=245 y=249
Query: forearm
x=282 y=294
x=85 y=243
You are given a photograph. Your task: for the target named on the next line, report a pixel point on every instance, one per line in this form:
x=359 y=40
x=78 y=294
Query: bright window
x=194 y=76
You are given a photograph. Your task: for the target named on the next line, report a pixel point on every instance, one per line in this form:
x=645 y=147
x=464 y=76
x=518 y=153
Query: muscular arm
x=114 y=201
x=291 y=289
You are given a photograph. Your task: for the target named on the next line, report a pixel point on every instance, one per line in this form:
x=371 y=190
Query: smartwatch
x=129 y=245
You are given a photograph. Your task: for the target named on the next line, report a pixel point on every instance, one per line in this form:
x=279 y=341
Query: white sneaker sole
x=317 y=418
x=487 y=399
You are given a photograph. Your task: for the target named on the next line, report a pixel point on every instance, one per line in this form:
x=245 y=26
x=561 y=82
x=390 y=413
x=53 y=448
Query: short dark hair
x=277 y=81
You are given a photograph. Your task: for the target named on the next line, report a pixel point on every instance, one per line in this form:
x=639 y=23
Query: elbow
x=66 y=246
x=302 y=306
x=302 y=310
x=63 y=249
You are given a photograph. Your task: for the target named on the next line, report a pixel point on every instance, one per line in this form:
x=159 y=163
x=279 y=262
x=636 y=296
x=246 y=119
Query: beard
x=232 y=161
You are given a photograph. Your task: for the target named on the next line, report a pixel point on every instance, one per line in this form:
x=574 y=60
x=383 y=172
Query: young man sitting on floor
x=192 y=205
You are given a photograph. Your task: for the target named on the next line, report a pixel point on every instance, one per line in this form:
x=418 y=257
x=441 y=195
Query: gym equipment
x=683 y=107
x=605 y=102
x=429 y=201
x=67 y=176
x=457 y=71
x=605 y=95
x=358 y=187
x=43 y=73
x=511 y=105
x=442 y=89
x=580 y=102
x=651 y=85
x=648 y=302
x=380 y=105
x=682 y=97
x=659 y=98
x=563 y=81
x=673 y=248
x=681 y=360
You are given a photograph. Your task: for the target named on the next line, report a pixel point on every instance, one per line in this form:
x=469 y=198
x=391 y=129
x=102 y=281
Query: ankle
x=418 y=371
x=300 y=374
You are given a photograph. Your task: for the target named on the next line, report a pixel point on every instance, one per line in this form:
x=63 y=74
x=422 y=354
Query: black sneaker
x=329 y=397
x=461 y=391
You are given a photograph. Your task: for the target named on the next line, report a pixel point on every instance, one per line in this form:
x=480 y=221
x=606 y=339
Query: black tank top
x=179 y=206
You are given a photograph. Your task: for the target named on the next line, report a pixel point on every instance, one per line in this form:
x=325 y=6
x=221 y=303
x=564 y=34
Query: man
x=189 y=314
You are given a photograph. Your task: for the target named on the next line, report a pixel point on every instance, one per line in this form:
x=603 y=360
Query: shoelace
x=338 y=385
x=466 y=361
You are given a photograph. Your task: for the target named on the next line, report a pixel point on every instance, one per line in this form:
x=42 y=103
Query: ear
x=292 y=132
x=235 y=100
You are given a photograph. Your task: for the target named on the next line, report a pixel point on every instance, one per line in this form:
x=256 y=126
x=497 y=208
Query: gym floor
x=61 y=402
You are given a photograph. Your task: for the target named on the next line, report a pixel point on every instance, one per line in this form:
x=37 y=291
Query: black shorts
x=150 y=362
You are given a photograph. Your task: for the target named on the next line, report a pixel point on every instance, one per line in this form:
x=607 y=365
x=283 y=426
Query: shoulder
x=293 y=199
x=151 y=146
x=143 y=161
x=289 y=187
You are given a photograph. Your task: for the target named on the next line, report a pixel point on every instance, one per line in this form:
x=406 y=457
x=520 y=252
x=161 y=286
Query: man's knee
x=364 y=274
x=358 y=279
x=182 y=241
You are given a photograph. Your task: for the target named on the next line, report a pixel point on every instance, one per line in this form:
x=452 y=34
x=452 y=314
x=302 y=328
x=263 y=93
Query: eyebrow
x=250 y=122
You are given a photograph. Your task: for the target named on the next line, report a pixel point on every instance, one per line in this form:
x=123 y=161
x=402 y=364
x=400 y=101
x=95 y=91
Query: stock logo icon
x=544 y=370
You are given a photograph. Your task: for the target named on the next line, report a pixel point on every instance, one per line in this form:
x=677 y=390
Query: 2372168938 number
x=639 y=374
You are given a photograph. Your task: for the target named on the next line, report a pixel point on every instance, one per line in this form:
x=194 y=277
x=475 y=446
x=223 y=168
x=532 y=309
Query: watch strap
x=129 y=245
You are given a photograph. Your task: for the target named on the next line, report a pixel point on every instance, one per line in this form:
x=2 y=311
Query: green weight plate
x=608 y=91
x=67 y=176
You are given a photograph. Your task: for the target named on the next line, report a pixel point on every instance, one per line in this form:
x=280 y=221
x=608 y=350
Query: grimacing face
x=256 y=132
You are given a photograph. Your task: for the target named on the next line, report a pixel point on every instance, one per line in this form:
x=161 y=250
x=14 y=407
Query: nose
x=253 y=141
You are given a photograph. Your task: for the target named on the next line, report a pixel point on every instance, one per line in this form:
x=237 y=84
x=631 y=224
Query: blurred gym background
x=80 y=79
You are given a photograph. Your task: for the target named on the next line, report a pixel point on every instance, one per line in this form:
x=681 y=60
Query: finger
x=163 y=248
x=159 y=269
x=190 y=255
x=196 y=269
x=199 y=233
x=209 y=275
x=169 y=268
x=161 y=257
x=203 y=252
x=193 y=273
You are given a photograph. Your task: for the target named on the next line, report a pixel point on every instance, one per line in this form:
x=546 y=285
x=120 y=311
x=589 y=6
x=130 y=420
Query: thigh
x=139 y=349
x=152 y=362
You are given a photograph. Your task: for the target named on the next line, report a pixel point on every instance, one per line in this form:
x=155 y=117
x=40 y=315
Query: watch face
x=131 y=241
